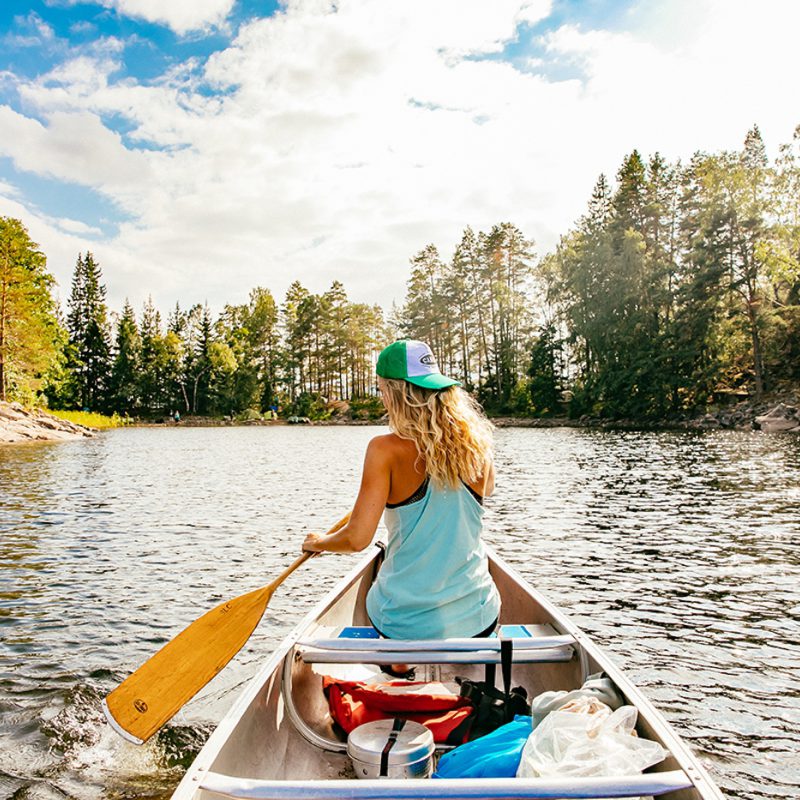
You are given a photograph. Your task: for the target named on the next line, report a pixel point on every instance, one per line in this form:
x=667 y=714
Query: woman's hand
x=312 y=543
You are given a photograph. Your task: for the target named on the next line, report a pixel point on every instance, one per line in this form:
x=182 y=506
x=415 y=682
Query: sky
x=201 y=148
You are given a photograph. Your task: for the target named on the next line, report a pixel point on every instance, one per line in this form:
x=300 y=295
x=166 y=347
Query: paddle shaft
x=151 y=695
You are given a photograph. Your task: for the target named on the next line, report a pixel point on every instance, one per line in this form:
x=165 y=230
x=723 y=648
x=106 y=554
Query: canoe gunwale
x=633 y=786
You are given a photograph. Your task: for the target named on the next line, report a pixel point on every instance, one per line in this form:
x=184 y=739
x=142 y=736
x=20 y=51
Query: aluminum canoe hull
x=259 y=741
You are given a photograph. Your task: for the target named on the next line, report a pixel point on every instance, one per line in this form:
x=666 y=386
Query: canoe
x=278 y=741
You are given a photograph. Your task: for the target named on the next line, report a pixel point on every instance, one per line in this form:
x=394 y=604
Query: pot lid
x=413 y=742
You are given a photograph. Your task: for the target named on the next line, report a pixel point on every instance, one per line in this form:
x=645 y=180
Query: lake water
x=678 y=552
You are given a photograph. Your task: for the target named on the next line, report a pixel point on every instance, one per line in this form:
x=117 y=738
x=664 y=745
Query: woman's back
x=434 y=582
x=408 y=471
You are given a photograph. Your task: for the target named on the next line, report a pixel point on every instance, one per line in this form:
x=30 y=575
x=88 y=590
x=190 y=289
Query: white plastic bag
x=578 y=744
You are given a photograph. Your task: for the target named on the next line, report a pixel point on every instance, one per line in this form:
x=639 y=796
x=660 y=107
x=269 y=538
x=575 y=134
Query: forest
x=678 y=289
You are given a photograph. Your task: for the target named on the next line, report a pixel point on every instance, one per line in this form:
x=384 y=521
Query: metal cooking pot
x=391 y=749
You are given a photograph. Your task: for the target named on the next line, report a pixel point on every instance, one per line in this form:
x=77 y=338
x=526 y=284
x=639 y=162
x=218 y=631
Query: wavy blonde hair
x=451 y=432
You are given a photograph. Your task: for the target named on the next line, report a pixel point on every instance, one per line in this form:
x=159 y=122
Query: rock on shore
x=781 y=418
x=766 y=416
x=18 y=424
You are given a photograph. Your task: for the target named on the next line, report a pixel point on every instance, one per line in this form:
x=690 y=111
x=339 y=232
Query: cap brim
x=432 y=381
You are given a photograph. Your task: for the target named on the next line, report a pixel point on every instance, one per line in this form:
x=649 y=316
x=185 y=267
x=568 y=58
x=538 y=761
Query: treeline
x=477 y=311
x=255 y=357
x=679 y=286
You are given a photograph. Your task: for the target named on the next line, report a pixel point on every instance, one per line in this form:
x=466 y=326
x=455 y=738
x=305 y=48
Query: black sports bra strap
x=478 y=497
x=418 y=495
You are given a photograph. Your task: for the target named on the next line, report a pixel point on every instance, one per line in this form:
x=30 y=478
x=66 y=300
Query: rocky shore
x=18 y=424
x=770 y=416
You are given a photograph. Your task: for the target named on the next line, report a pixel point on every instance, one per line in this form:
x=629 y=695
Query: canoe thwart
x=436 y=645
x=340 y=642
x=651 y=783
x=312 y=656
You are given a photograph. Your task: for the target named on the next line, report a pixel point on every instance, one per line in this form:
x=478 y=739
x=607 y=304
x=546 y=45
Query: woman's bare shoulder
x=390 y=444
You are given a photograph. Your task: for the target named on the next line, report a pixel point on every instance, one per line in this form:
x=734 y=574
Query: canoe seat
x=355 y=645
x=650 y=783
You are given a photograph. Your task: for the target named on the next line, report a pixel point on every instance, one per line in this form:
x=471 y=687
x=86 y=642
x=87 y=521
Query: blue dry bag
x=495 y=755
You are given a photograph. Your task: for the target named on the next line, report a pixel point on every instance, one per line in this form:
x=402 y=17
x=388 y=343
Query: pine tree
x=265 y=343
x=425 y=313
x=335 y=340
x=782 y=260
x=296 y=327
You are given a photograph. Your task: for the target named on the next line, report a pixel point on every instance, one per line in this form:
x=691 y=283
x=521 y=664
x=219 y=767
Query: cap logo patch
x=420 y=360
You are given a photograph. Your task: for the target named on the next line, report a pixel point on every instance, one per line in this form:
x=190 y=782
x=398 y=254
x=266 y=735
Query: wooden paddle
x=149 y=697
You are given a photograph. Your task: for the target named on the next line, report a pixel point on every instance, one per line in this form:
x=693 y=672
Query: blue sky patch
x=58 y=199
x=528 y=53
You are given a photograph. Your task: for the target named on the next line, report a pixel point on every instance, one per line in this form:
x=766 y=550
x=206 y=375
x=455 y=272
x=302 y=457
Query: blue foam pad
x=515 y=632
x=358 y=633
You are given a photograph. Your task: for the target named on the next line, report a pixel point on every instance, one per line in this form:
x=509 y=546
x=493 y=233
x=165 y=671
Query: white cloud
x=76 y=226
x=341 y=141
x=180 y=15
x=31 y=31
x=75 y=147
x=183 y=16
x=8 y=190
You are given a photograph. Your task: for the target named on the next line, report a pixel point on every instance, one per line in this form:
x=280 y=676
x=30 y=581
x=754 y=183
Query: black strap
x=376 y=567
x=506 y=659
x=390 y=743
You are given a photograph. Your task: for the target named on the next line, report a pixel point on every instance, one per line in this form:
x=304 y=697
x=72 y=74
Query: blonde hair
x=451 y=432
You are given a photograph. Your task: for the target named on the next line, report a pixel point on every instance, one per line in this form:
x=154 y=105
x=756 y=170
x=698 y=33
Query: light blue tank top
x=434 y=582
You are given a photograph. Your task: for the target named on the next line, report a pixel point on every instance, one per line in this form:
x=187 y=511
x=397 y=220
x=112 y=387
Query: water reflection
x=678 y=552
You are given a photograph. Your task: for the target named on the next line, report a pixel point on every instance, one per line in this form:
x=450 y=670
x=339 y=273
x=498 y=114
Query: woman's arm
x=371 y=500
x=488 y=481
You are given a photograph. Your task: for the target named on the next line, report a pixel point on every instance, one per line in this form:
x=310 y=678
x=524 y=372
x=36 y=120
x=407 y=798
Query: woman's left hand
x=312 y=543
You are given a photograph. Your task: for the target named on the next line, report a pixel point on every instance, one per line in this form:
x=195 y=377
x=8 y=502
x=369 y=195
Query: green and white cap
x=412 y=361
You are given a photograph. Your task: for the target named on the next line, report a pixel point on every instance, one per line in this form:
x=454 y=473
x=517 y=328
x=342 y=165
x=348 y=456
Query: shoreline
x=19 y=425
x=779 y=415
x=765 y=417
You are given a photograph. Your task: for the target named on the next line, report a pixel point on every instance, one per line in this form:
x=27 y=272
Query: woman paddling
x=428 y=477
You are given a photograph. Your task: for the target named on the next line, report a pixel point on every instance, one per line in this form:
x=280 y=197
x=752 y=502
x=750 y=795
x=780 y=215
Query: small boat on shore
x=279 y=740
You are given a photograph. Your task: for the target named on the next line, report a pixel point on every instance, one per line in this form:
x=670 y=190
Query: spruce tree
x=151 y=374
x=125 y=371
x=87 y=324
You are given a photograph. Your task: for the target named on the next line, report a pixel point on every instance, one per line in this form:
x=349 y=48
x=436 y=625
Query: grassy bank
x=90 y=419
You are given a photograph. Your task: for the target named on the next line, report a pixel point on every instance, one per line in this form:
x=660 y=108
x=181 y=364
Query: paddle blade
x=149 y=697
